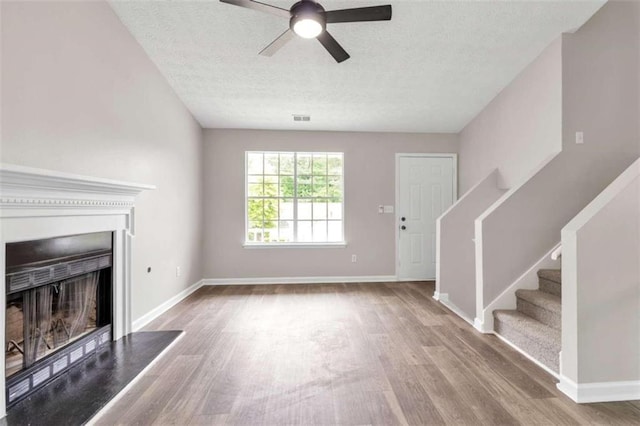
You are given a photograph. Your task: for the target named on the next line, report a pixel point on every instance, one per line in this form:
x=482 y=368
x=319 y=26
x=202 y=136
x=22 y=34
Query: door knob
x=403 y=218
x=403 y=227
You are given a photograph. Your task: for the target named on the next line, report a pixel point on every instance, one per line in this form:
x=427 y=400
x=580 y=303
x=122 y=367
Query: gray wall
x=602 y=98
x=457 y=262
x=599 y=96
x=609 y=297
x=601 y=79
x=516 y=132
x=601 y=288
x=79 y=95
x=369 y=181
x=520 y=128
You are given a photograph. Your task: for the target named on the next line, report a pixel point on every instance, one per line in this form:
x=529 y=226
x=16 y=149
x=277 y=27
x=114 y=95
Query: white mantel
x=36 y=203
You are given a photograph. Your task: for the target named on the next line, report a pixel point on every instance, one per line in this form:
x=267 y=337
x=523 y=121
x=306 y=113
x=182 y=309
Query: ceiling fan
x=308 y=19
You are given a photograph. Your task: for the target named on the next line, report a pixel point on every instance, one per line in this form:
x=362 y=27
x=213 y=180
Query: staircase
x=534 y=326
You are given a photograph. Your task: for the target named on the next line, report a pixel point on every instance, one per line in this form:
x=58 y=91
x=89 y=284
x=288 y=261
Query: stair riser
x=550 y=274
x=551 y=287
x=545 y=355
x=552 y=319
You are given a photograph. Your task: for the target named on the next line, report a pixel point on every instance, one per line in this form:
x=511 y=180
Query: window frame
x=295 y=220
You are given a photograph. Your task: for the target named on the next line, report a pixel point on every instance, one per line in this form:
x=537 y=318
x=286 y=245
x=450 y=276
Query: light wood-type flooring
x=342 y=354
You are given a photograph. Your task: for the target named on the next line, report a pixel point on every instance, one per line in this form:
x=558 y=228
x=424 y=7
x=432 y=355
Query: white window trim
x=260 y=245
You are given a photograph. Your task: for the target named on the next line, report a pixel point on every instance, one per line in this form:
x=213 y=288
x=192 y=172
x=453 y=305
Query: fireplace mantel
x=37 y=203
x=28 y=187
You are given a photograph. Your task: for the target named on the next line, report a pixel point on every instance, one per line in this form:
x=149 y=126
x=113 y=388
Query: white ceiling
x=432 y=68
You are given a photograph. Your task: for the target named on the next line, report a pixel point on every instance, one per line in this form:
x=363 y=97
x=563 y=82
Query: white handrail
x=556 y=253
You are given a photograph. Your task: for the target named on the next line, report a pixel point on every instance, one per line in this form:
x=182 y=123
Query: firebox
x=59 y=307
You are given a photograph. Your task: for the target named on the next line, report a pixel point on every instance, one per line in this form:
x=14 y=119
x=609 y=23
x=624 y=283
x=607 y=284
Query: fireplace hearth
x=58 y=307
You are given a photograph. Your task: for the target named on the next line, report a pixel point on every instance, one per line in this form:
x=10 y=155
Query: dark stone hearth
x=76 y=397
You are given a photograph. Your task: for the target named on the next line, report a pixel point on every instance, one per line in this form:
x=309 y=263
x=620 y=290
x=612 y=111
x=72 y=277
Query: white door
x=426 y=188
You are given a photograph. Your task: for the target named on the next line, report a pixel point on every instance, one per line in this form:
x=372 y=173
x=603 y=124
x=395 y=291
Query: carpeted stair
x=534 y=326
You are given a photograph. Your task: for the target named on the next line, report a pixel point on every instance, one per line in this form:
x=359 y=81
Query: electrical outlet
x=178 y=271
x=354 y=258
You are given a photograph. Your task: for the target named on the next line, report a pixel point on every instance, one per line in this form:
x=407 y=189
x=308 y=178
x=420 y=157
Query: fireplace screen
x=43 y=319
x=59 y=306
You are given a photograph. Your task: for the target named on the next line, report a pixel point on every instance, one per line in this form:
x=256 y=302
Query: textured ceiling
x=432 y=68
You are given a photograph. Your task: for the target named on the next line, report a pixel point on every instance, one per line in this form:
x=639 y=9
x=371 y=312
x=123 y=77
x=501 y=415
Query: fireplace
x=56 y=208
x=58 y=307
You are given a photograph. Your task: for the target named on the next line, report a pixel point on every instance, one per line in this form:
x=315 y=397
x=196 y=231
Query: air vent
x=42 y=276
x=76 y=268
x=19 y=389
x=60 y=364
x=76 y=354
x=18 y=282
x=298 y=117
x=104 y=338
x=90 y=265
x=60 y=272
x=41 y=375
x=90 y=346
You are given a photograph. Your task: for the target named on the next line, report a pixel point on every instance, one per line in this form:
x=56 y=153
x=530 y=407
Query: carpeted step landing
x=535 y=325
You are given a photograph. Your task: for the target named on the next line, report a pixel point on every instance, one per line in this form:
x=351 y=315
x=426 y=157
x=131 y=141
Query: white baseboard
x=440 y=296
x=444 y=299
x=479 y=325
x=119 y=395
x=600 y=392
x=300 y=280
x=156 y=312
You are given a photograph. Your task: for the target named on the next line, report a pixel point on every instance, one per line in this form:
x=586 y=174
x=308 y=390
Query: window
x=294 y=197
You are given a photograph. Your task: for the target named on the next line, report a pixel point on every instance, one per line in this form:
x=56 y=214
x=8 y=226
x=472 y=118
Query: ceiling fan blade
x=332 y=46
x=262 y=7
x=359 y=14
x=277 y=43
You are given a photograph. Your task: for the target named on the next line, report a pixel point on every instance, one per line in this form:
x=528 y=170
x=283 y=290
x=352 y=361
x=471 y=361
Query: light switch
x=579 y=137
x=380 y=209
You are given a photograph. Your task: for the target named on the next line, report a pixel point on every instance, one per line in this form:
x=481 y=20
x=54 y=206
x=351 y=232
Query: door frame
x=396 y=219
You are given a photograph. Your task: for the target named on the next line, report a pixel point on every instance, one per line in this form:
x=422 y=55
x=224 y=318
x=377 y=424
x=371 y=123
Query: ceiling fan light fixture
x=307 y=19
x=307 y=28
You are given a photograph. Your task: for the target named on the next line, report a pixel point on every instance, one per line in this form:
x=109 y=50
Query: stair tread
x=541 y=299
x=548 y=336
x=554 y=275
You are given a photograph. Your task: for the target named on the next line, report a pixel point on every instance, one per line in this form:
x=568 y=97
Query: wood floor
x=348 y=354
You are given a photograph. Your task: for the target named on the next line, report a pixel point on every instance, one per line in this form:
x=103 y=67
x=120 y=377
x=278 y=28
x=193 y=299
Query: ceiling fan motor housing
x=307 y=9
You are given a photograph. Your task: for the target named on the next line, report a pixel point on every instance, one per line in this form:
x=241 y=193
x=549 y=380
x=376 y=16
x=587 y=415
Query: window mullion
x=295 y=197
x=263 y=197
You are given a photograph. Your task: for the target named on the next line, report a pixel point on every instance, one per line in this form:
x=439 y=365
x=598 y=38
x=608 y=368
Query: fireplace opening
x=59 y=307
